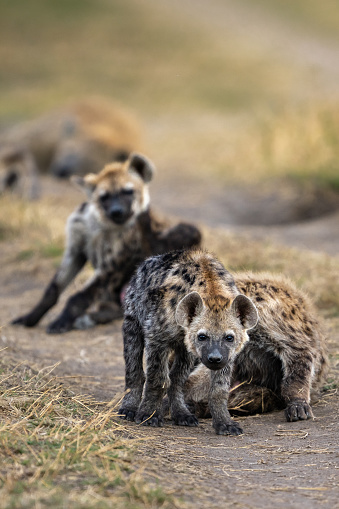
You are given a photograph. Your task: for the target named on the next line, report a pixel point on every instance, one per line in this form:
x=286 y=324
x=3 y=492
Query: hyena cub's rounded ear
x=245 y=311
x=87 y=183
x=142 y=166
x=189 y=307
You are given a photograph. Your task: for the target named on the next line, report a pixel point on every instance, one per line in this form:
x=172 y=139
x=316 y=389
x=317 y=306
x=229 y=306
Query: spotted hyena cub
x=188 y=304
x=114 y=230
x=283 y=363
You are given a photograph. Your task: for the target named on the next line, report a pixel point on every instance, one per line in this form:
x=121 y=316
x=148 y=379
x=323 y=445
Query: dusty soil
x=274 y=464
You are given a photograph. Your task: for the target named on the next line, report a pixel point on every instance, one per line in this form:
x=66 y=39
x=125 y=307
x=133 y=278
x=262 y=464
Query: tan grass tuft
x=65 y=448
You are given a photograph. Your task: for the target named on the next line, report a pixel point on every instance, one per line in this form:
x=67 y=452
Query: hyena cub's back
x=285 y=359
x=186 y=303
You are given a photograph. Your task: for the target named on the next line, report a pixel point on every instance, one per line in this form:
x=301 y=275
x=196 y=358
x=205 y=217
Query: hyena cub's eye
x=202 y=337
x=128 y=191
x=104 y=197
x=229 y=338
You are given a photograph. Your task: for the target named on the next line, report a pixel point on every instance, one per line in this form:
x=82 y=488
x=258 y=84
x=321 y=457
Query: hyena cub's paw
x=127 y=413
x=185 y=419
x=24 y=320
x=84 y=322
x=59 y=327
x=298 y=409
x=231 y=428
x=149 y=419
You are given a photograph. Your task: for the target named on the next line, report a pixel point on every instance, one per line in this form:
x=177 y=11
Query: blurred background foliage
x=238 y=89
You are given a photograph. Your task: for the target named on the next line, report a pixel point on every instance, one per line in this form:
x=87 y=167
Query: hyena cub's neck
x=202 y=273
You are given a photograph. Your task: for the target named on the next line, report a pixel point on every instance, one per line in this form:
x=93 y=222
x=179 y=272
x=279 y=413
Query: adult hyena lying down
x=283 y=362
x=115 y=230
x=189 y=304
x=77 y=138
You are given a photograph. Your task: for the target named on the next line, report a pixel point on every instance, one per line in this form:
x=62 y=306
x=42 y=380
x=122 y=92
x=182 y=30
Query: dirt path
x=299 y=221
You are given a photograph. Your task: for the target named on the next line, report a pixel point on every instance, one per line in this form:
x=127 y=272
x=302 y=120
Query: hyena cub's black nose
x=214 y=357
x=117 y=214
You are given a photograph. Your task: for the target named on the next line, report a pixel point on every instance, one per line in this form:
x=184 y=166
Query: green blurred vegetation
x=141 y=53
x=320 y=17
x=223 y=105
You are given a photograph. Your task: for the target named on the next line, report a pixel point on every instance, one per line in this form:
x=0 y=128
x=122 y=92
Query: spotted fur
x=285 y=360
x=184 y=304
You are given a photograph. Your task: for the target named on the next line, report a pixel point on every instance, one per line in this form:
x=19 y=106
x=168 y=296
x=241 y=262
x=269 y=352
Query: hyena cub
x=115 y=230
x=283 y=363
x=184 y=303
x=257 y=357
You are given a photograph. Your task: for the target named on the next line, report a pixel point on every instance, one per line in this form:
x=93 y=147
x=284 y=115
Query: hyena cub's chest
x=110 y=251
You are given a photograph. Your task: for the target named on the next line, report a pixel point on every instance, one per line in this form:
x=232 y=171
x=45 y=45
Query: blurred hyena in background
x=79 y=138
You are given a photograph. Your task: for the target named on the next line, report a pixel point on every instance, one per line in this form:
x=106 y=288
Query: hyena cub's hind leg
x=134 y=374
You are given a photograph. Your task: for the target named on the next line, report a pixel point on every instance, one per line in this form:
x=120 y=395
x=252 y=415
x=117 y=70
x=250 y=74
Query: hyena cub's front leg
x=150 y=411
x=134 y=373
x=181 y=368
x=217 y=402
x=295 y=389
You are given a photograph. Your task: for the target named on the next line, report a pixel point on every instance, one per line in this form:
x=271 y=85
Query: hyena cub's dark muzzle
x=118 y=207
x=214 y=355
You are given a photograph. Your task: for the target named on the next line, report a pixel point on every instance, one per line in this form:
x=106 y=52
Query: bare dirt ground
x=282 y=213
x=274 y=464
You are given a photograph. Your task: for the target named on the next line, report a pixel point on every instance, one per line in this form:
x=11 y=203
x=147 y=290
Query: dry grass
x=65 y=450
x=300 y=145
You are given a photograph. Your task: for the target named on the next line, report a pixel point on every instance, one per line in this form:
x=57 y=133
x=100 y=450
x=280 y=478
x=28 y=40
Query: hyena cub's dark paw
x=298 y=409
x=231 y=428
x=154 y=419
x=24 y=320
x=59 y=327
x=185 y=420
x=126 y=413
